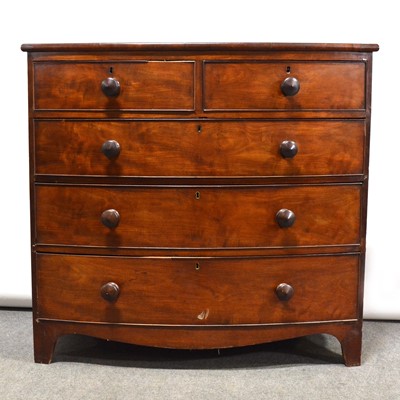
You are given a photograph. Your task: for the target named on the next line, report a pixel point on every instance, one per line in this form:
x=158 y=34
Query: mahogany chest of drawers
x=198 y=195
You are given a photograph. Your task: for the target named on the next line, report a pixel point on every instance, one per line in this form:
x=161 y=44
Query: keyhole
x=111 y=70
x=197 y=195
x=199 y=129
x=288 y=69
x=197 y=266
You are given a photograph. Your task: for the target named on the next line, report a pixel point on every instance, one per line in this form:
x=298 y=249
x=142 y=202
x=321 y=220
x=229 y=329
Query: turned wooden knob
x=284 y=292
x=290 y=86
x=285 y=218
x=110 y=291
x=110 y=87
x=288 y=149
x=110 y=218
x=111 y=149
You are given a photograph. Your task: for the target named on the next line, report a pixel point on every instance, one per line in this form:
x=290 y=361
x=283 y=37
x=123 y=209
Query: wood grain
x=256 y=85
x=199 y=148
x=144 y=85
x=221 y=218
x=197 y=292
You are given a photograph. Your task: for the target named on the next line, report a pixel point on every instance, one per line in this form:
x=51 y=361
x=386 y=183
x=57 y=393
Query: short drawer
x=198 y=217
x=198 y=148
x=146 y=86
x=196 y=292
x=257 y=85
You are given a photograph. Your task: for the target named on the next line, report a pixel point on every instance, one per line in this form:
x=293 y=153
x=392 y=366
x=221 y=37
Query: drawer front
x=257 y=85
x=147 y=86
x=204 y=217
x=186 y=148
x=196 y=292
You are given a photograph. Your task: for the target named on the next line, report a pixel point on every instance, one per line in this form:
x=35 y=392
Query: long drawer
x=255 y=85
x=198 y=148
x=198 y=217
x=196 y=292
x=146 y=86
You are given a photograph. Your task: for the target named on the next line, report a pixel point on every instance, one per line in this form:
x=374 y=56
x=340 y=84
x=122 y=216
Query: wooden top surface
x=198 y=47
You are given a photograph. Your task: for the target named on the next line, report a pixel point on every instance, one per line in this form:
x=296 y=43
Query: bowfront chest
x=198 y=196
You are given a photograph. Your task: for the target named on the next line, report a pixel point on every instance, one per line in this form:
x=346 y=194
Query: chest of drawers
x=198 y=195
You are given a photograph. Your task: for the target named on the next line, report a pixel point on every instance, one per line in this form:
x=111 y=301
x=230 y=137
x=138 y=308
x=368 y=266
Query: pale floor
x=307 y=368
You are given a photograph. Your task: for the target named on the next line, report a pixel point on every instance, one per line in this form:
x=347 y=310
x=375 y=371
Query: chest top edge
x=198 y=47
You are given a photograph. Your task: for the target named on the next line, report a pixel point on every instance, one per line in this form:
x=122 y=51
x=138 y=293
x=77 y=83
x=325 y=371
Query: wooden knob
x=110 y=291
x=284 y=291
x=285 y=218
x=110 y=87
x=111 y=149
x=110 y=218
x=288 y=149
x=290 y=86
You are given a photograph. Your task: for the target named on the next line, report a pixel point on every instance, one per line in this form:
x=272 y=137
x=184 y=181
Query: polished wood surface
x=143 y=85
x=199 y=148
x=257 y=86
x=196 y=292
x=206 y=48
x=176 y=216
x=198 y=195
